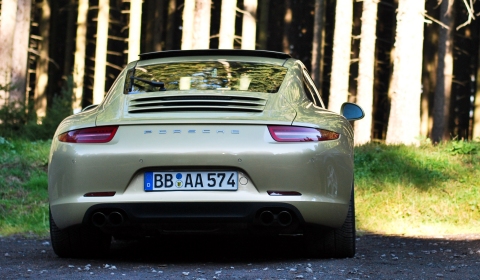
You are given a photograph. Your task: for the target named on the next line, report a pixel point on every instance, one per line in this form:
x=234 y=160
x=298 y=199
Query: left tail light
x=100 y=134
x=283 y=133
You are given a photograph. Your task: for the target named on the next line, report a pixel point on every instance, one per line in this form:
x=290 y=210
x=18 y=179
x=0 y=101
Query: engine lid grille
x=211 y=103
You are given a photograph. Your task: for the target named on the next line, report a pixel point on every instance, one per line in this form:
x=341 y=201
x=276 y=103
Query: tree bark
x=287 y=21
x=79 y=57
x=201 y=25
x=318 y=42
x=69 y=40
x=366 y=71
x=342 y=40
x=101 y=51
x=135 y=29
x=7 y=33
x=263 y=25
x=404 y=120
x=476 y=110
x=443 y=89
x=172 y=7
x=187 y=26
x=20 y=52
x=41 y=83
x=249 y=24
x=476 y=105
x=227 y=24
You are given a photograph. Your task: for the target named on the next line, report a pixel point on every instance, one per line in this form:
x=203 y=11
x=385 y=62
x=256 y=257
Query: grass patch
x=399 y=189
x=418 y=190
x=23 y=187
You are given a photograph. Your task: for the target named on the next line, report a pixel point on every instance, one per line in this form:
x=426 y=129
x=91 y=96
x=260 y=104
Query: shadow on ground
x=188 y=248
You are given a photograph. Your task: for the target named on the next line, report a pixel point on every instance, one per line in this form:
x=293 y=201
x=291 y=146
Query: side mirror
x=89 y=107
x=351 y=111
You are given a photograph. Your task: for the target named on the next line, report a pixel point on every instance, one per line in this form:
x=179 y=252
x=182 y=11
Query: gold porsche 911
x=211 y=141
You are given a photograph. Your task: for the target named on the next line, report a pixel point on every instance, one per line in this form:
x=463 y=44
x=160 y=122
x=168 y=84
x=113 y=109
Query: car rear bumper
x=160 y=215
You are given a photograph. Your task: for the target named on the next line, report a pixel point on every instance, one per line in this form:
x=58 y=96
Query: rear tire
x=78 y=241
x=334 y=243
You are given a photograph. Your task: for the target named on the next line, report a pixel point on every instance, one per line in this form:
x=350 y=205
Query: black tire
x=78 y=241
x=333 y=243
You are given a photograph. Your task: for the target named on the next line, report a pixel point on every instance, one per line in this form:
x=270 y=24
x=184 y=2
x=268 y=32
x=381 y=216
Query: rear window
x=210 y=75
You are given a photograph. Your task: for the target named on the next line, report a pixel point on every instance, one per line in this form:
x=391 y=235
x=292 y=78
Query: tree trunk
x=263 y=25
x=79 y=57
x=7 y=35
x=20 y=52
x=227 y=24
x=287 y=21
x=476 y=105
x=155 y=23
x=135 y=29
x=366 y=71
x=249 y=24
x=342 y=40
x=101 y=51
x=404 y=120
x=201 y=25
x=430 y=53
x=443 y=89
x=187 y=26
x=41 y=83
x=172 y=7
x=476 y=110
x=69 y=40
x=318 y=42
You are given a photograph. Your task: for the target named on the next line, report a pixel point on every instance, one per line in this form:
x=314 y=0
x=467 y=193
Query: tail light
x=100 y=134
x=301 y=134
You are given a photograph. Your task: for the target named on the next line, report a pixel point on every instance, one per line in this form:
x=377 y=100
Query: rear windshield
x=210 y=75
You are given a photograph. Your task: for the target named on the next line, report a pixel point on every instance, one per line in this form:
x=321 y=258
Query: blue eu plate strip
x=148 y=181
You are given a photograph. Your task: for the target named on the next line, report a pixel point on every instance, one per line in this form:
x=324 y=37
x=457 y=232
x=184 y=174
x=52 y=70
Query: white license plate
x=191 y=181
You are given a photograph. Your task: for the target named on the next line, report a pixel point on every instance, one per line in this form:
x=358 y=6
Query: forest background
x=411 y=64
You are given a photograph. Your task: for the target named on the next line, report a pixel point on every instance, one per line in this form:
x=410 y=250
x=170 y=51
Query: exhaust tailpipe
x=267 y=218
x=115 y=218
x=284 y=218
x=99 y=219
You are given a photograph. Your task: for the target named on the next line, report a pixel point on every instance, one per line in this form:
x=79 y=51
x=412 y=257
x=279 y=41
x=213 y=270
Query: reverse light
x=300 y=134
x=100 y=134
x=96 y=194
x=283 y=193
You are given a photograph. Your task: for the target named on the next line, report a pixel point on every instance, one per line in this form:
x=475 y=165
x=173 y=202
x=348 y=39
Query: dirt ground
x=186 y=257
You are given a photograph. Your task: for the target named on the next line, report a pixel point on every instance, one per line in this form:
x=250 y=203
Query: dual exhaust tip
x=99 y=219
x=283 y=218
x=267 y=218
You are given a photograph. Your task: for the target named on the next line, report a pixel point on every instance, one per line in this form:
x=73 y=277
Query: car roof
x=214 y=52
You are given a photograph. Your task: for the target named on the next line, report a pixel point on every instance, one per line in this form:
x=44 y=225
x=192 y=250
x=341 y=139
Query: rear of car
x=212 y=141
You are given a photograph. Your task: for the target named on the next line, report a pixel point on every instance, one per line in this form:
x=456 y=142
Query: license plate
x=191 y=181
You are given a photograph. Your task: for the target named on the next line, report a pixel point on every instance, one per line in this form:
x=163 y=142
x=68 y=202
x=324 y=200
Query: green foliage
x=400 y=164
x=23 y=187
x=460 y=147
x=418 y=190
x=19 y=120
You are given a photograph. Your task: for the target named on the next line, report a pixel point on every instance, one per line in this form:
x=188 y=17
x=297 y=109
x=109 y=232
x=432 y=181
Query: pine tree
x=404 y=120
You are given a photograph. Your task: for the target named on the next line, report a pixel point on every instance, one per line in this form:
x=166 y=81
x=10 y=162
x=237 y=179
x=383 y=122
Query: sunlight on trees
x=341 y=55
x=366 y=72
x=404 y=120
x=249 y=24
x=7 y=32
x=101 y=51
x=227 y=24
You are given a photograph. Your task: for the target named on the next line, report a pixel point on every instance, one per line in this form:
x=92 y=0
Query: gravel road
x=186 y=257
